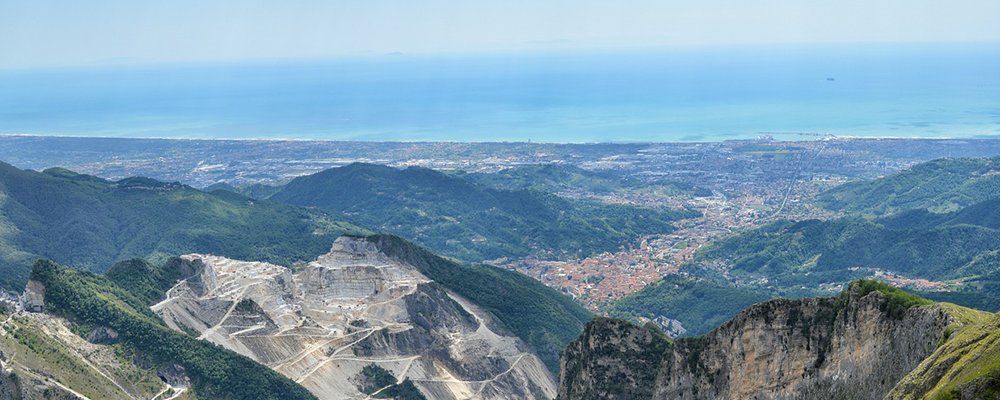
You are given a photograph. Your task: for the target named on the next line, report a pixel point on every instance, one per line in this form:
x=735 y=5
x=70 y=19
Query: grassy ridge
x=90 y=300
x=965 y=365
x=897 y=300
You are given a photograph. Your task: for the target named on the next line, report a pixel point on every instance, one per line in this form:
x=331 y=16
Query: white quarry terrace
x=321 y=323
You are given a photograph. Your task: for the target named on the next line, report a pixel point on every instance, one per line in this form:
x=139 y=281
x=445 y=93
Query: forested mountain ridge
x=916 y=243
x=90 y=223
x=941 y=185
x=557 y=178
x=469 y=221
x=699 y=305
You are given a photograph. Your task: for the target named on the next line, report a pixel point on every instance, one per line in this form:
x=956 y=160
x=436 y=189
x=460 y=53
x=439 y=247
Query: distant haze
x=36 y=33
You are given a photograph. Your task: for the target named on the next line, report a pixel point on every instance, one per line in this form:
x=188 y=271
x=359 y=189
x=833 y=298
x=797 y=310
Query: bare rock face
x=851 y=347
x=322 y=324
x=102 y=335
x=612 y=359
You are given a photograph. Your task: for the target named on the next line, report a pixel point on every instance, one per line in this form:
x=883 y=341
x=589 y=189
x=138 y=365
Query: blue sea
x=670 y=94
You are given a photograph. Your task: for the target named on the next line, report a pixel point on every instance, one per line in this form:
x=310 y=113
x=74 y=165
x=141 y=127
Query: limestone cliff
x=323 y=323
x=859 y=345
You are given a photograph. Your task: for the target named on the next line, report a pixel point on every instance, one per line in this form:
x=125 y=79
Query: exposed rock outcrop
x=323 y=323
x=855 y=346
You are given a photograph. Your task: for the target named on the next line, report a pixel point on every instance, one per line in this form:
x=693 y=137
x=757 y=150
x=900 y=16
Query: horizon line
x=762 y=136
x=139 y=62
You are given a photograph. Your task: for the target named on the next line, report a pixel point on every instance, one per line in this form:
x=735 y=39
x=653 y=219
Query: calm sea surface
x=667 y=95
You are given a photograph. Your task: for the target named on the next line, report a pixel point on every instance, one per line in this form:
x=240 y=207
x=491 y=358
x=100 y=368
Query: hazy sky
x=37 y=33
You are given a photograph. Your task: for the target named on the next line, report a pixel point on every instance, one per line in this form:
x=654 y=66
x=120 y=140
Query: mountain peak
x=856 y=345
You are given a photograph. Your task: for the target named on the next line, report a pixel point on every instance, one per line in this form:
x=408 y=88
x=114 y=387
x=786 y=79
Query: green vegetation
x=90 y=223
x=35 y=349
x=966 y=364
x=247 y=306
x=954 y=234
x=473 y=222
x=962 y=244
x=146 y=280
x=897 y=300
x=941 y=186
x=549 y=178
x=539 y=315
x=90 y=301
x=700 y=305
x=792 y=259
x=403 y=391
x=257 y=191
x=377 y=379
x=555 y=178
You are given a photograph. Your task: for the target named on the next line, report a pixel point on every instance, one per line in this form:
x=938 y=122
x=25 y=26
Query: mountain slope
x=565 y=178
x=869 y=342
x=550 y=178
x=539 y=315
x=941 y=185
x=90 y=223
x=41 y=358
x=364 y=319
x=698 y=305
x=964 y=366
x=472 y=222
x=350 y=316
x=960 y=249
x=94 y=303
x=916 y=243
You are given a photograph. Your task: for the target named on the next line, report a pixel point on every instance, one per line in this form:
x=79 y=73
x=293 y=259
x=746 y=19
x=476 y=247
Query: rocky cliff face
x=856 y=346
x=322 y=324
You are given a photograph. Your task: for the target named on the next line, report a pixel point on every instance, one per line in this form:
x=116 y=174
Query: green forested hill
x=552 y=178
x=466 y=220
x=917 y=243
x=792 y=259
x=89 y=223
x=92 y=301
x=548 y=178
x=940 y=185
x=699 y=305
